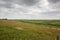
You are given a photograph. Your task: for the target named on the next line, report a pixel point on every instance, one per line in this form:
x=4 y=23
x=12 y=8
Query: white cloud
x=41 y=10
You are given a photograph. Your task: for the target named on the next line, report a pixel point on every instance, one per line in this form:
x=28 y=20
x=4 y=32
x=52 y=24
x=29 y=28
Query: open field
x=49 y=23
x=29 y=29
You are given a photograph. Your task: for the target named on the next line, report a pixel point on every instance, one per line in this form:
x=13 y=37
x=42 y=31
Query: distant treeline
x=3 y=19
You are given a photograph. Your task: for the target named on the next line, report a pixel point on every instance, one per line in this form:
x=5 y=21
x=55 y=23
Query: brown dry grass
x=26 y=26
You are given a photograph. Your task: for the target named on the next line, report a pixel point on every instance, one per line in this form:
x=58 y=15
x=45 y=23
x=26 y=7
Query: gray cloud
x=53 y=1
x=54 y=4
x=7 y=5
x=23 y=2
x=51 y=14
x=30 y=2
x=29 y=10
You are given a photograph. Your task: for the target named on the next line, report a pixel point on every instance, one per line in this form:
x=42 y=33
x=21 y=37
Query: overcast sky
x=30 y=9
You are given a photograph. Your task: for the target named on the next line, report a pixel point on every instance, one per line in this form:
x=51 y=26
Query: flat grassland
x=29 y=29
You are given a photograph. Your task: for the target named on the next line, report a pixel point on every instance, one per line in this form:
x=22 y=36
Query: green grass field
x=49 y=23
x=29 y=29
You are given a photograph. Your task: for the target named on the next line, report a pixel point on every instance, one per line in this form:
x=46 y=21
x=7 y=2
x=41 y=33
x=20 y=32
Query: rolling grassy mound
x=18 y=30
x=49 y=23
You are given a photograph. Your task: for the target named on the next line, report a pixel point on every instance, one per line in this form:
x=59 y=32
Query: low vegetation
x=28 y=30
